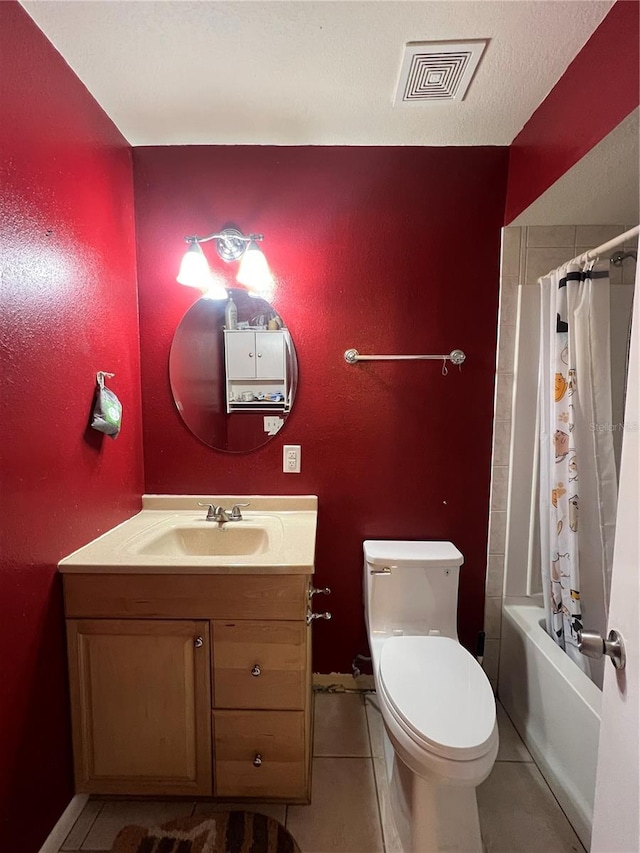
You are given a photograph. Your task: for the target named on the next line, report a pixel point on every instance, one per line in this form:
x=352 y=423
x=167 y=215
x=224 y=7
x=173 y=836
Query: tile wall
x=527 y=253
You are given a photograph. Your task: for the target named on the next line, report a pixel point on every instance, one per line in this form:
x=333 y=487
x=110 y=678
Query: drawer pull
x=257 y=761
x=198 y=642
x=256 y=671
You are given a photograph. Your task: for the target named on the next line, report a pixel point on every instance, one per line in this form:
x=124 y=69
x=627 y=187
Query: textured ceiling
x=318 y=72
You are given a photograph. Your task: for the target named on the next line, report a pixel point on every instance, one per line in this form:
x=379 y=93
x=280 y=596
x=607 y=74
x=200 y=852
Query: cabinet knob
x=250 y=355
x=198 y=642
x=257 y=760
x=256 y=671
x=259 y=355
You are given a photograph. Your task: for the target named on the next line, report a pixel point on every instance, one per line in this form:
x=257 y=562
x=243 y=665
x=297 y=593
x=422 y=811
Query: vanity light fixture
x=231 y=245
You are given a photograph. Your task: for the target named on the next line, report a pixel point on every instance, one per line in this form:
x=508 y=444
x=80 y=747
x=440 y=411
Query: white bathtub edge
x=537 y=682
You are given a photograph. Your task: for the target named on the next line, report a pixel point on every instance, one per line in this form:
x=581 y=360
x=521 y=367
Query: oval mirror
x=234 y=388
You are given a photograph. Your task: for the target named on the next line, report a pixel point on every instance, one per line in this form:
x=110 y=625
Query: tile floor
x=350 y=811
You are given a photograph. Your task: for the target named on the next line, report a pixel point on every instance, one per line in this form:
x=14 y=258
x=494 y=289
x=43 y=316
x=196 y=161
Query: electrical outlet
x=291 y=458
x=273 y=425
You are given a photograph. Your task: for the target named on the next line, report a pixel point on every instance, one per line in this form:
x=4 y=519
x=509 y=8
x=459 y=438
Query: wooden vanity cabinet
x=192 y=685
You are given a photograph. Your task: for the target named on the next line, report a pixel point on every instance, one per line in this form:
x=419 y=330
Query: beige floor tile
x=116 y=814
x=275 y=810
x=340 y=725
x=518 y=813
x=512 y=746
x=375 y=723
x=390 y=834
x=81 y=827
x=343 y=815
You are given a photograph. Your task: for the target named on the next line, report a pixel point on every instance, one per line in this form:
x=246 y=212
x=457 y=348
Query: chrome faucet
x=221 y=515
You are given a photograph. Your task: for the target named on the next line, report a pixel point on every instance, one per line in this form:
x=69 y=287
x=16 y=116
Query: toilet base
x=431 y=818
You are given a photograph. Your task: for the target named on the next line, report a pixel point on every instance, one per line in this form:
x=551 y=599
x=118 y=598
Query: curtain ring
x=445 y=370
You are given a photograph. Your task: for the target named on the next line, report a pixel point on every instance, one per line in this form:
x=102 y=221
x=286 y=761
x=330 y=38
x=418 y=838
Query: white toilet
x=437 y=704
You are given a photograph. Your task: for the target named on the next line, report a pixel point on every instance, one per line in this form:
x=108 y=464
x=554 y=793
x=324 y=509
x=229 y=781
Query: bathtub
x=556 y=709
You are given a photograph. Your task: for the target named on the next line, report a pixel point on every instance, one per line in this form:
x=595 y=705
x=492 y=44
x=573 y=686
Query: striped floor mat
x=222 y=832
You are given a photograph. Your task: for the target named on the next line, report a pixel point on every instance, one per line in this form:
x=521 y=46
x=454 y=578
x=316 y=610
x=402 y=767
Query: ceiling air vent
x=438 y=71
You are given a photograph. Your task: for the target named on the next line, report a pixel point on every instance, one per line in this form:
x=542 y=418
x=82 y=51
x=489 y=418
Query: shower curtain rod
x=592 y=254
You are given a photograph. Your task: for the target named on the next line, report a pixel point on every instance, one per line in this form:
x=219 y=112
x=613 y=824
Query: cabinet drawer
x=259 y=665
x=181 y=596
x=275 y=740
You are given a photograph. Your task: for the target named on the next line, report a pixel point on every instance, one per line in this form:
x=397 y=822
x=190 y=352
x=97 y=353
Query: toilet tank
x=411 y=587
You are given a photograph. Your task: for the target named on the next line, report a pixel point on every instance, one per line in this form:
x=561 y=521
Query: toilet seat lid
x=440 y=693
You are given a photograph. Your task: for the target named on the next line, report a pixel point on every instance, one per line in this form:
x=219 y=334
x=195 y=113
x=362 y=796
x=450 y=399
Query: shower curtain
x=578 y=487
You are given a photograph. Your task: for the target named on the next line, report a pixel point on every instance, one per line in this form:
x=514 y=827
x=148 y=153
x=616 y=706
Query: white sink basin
x=209 y=539
x=277 y=535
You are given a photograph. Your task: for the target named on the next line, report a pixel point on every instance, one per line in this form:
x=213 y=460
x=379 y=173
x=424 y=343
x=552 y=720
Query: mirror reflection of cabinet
x=256 y=370
x=198 y=375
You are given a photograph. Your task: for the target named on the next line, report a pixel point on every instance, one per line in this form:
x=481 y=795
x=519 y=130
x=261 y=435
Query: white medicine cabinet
x=256 y=370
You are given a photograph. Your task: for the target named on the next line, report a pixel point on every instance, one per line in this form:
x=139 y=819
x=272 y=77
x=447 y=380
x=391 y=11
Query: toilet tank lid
x=407 y=553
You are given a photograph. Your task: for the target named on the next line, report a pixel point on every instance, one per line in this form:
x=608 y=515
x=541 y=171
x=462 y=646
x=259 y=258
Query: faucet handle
x=236 y=515
x=211 y=510
x=323 y=591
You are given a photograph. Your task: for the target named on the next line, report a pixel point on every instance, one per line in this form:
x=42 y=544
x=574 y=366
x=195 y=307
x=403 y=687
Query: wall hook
x=101 y=375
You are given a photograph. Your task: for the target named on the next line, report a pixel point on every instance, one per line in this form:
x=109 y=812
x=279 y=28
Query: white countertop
x=287 y=524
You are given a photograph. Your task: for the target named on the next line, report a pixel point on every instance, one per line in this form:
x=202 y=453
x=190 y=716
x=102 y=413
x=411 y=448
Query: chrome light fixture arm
x=230 y=243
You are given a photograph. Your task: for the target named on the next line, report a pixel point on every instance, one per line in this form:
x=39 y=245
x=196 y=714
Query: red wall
x=596 y=92
x=389 y=250
x=69 y=309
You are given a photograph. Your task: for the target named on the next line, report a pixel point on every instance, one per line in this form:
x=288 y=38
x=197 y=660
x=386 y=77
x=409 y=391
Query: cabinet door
x=241 y=354
x=141 y=698
x=270 y=355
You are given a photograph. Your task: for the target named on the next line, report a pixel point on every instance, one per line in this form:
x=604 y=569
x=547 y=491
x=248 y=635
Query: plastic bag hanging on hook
x=107 y=412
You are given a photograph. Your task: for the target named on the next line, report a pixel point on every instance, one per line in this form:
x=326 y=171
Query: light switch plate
x=291 y=458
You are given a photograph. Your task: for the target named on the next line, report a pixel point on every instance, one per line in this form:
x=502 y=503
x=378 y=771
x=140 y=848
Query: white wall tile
x=497 y=532
x=499 y=485
x=508 y=301
x=504 y=396
x=501 y=439
x=551 y=235
x=595 y=235
x=541 y=261
x=491 y=659
x=511 y=251
x=492 y=617
x=506 y=348
x=495 y=574
x=628 y=272
x=632 y=242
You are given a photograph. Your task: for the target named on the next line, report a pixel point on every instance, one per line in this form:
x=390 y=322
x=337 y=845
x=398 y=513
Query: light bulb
x=194 y=269
x=254 y=272
x=195 y=272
